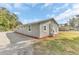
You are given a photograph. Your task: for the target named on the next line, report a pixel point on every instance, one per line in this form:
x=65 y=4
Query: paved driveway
x=11 y=43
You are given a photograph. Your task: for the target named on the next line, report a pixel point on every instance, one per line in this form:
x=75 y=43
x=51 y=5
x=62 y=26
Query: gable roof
x=42 y=21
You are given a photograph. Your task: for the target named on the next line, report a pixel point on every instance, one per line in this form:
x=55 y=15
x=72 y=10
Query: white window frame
x=44 y=27
x=29 y=28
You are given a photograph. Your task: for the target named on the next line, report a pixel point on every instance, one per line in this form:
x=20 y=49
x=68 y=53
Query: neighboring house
x=64 y=27
x=40 y=29
x=77 y=28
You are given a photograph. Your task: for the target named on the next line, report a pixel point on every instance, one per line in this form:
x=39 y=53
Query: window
x=44 y=27
x=29 y=28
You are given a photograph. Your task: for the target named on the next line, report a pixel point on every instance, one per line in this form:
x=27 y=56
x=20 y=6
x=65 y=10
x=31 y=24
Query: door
x=50 y=30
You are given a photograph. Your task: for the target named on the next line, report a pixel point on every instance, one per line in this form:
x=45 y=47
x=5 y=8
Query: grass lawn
x=65 y=43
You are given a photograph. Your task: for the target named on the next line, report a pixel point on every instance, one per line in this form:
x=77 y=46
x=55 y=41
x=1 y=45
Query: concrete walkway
x=13 y=43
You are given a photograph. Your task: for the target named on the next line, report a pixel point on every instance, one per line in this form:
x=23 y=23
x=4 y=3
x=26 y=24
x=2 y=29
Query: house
x=40 y=29
x=64 y=27
x=76 y=28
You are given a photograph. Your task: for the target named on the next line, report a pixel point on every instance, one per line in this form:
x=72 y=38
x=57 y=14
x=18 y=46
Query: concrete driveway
x=14 y=43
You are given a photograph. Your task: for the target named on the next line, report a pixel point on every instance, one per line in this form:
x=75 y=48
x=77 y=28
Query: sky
x=31 y=12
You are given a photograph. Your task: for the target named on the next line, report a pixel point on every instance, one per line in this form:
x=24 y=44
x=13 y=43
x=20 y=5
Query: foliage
x=74 y=21
x=8 y=20
x=73 y=24
x=66 y=27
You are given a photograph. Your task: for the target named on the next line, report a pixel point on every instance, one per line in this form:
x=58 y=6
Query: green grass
x=65 y=43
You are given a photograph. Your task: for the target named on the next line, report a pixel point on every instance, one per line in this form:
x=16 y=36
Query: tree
x=8 y=20
x=74 y=22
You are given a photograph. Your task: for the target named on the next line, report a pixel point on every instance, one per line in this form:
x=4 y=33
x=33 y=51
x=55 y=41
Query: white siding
x=37 y=30
x=43 y=32
x=55 y=27
x=34 y=30
x=46 y=32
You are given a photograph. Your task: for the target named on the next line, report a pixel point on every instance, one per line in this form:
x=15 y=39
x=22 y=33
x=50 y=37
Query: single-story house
x=40 y=29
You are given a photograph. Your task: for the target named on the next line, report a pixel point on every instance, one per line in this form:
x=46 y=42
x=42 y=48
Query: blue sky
x=30 y=12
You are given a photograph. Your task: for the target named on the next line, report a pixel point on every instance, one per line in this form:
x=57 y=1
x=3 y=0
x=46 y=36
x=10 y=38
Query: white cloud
x=50 y=16
x=17 y=5
x=46 y=5
x=25 y=21
x=17 y=13
x=58 y=9
x=61 y=7
x=68 y=13
x=76 y=5
x=6 y=5
x=20 y=6
x=33 y=4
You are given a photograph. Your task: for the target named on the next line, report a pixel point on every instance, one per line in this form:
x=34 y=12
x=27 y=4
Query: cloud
x=50 y=16
x=20 y=6
x=76 y=5
x=47 y=5
x=17 y=13
x=33 y=4
x=63 y=6
x=17 y=5
x=6 y=5
x=25 y=21
x=68 y=13
x=58 y=9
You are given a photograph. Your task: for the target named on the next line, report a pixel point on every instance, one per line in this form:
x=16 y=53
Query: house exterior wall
x=54 y=27
x=35 y=31
x=52 y=24
x=43 y=32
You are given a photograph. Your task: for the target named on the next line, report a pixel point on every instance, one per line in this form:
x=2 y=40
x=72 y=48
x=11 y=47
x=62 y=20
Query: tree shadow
x=19 y=44
x=15 y=37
